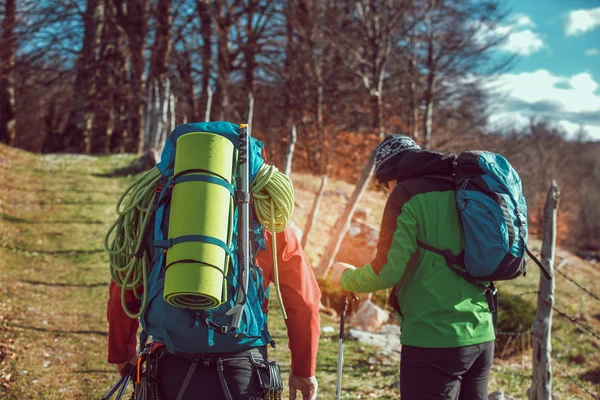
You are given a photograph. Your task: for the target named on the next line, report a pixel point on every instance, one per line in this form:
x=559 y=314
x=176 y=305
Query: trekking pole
x=121 y=384
x=244 y=245
x=340 y=363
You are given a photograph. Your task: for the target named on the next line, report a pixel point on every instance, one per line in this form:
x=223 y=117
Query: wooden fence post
x=541 y=386
x=343 y=222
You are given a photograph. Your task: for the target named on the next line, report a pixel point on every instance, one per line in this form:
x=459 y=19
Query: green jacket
x=438 y=308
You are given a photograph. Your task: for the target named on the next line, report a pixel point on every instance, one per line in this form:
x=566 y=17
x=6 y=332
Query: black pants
x=205 y=381
x=459 y=373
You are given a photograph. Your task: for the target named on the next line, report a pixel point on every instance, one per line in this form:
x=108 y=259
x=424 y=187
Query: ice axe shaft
x=244 y=239
x=345 y=301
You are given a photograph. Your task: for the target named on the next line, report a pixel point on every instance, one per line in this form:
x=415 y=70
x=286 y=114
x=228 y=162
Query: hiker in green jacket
x=447 y=327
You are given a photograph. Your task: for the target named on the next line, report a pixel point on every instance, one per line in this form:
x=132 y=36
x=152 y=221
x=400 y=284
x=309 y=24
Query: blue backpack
x=204 y=331
x=493 y=216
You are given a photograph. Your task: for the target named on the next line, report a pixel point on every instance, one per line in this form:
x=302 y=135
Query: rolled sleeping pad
x=196 y=269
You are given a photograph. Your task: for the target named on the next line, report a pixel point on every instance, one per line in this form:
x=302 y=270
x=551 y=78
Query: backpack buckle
x=216 y=327
x=490 y=295
x=160 y=185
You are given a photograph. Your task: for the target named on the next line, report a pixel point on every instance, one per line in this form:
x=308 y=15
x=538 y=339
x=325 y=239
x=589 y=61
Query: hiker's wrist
x=302 y=374
x=337 y=270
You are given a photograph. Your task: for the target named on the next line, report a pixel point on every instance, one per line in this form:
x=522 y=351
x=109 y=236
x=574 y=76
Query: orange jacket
x=299 y=290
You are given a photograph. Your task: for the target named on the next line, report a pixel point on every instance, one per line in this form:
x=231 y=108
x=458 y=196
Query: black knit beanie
x=388 y=154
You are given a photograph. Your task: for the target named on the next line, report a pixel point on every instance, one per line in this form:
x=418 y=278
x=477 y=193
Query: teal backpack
x=492 y=213
x=493 y=216
x=204 y=331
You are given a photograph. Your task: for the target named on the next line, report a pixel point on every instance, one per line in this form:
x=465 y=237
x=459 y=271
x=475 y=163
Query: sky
x=556 y=74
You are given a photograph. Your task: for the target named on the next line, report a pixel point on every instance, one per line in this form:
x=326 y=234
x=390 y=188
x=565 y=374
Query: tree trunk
x=541 y=386
x=121 y=134
x=429 y=90
x=90 y=116
x=312 y=216
x=166 y=121
x=209 y=100
x=172 y=122
x=379 y=109
x=157 y=116
x=110 y=128
x=137 y=102
x=8 y=47
x=223 y=26
x=112 y=87
x=161 y=50
x=343 y=222
x=289 y=155
x=414 y=104
x=250 y=48
x=123 y=138
x=152 y=106
x=377 y=98
x=415 y=120
x=202 y=7
x=428 y=122
x=223 y=79
x=77 y=135
x=290 y=67
x=133 y=18
x=185 y=71
x=428 y=116
x=319 y=45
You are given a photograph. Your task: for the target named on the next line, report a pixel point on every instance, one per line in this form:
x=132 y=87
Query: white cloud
x=572 y=129
x=569 y=126
x=524 y=43
x=519 y=39
x=501 y=118
x=541 y=85
x=581 y=21
x=522 y=20
x=584 y=83
x=592 y=52
x=571 y=101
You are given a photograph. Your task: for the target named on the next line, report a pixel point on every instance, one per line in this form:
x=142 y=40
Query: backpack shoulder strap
x=452 y=260
x=539 y=264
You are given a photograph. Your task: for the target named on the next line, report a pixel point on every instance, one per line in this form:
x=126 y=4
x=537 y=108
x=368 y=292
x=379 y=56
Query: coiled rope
x=273 y=204
x=126 y=269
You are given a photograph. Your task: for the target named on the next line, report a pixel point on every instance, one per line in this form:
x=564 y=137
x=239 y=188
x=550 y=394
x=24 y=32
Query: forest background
x=99 y=77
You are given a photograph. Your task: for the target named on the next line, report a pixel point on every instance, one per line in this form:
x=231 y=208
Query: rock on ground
x=388 y=339
x=499 y=396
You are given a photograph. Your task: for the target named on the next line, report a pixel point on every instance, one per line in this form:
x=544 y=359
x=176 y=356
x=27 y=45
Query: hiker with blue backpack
x=451 y=226
x=198 y=240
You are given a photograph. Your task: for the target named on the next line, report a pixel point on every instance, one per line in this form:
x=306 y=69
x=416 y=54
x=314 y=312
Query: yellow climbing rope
x=127 y=270
x=273 y=203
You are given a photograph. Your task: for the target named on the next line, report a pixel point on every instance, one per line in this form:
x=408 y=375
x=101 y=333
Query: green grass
x=54 y=212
